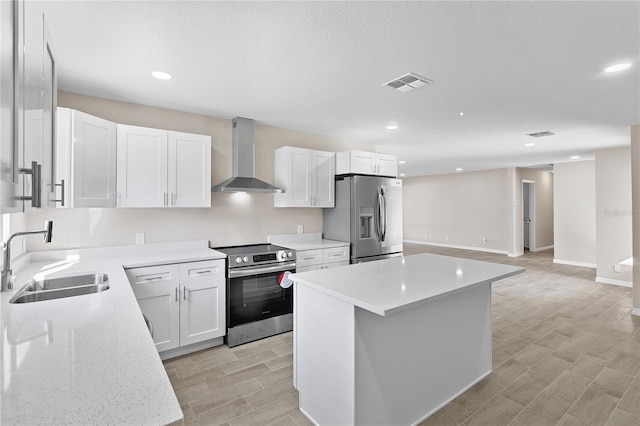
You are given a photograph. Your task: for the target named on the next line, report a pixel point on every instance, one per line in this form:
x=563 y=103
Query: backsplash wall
x=232 y=219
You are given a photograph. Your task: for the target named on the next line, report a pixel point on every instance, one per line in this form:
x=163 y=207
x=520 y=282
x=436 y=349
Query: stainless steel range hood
x=243 y=169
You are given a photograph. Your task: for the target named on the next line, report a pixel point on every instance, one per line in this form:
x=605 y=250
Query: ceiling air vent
x=541 y=134
x=408 y=82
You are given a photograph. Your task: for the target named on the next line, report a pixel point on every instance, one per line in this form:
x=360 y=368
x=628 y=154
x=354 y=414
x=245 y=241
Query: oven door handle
x=257 y=271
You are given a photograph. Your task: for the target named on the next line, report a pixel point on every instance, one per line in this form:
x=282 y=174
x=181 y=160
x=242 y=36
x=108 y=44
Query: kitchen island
x=392 y=341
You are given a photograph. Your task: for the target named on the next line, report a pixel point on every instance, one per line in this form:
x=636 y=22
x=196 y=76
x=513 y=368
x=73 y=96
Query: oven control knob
x=283 y=255
x=238 y=260
x=289 y=254
x=245 y=259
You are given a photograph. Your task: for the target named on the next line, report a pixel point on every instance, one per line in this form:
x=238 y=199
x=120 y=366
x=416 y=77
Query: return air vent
x=408 y=82
x=541 y=134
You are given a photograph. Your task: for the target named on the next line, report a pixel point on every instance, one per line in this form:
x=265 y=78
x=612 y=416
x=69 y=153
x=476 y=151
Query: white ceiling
x=511 y=67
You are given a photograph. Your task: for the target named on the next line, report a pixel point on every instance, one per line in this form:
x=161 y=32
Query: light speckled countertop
x=392 y=285
x=313 y=244
x=88 y=359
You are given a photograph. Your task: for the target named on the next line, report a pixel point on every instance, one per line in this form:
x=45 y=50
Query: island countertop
x=393 y=285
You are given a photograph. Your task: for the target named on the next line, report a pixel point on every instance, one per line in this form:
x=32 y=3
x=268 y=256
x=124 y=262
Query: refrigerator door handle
x=376 y=217
x=383 y=221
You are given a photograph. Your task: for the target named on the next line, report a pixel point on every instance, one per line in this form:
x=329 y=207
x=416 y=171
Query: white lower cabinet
x=311 y=260
x=183 y=304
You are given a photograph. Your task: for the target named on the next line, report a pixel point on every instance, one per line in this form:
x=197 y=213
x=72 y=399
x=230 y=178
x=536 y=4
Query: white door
x=323 y=172
x=142 y=167
x=387 y=165
x=94 y=161
x=189 y=170
x=298 y=186
x=363 y=162
x=157 y=291
x=202 y=311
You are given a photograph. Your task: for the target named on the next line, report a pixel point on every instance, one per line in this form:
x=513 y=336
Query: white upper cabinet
x=27 y=108
x=189 y=170
x=366 y=163
x=142 y=167
x=159 y=168
x=86 y=160
x=307 y=177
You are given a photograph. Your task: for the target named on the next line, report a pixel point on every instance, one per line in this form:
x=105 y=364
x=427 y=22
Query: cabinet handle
x=203 y=272
x=165 y=199
x=173 y=198
x=336 y=254
x=36 y=184
x=114 y=199
x=310 y=258
x=149 y=325
x=184 y=292
x=153 y=278
x=61 y=200
x=177 y=294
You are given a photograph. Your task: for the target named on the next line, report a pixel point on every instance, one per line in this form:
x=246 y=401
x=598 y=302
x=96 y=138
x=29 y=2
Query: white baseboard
x=574 y=263
x=620 y=283
x=517 y=254
x=542 y=248
x=455 y=246
x=635 y=311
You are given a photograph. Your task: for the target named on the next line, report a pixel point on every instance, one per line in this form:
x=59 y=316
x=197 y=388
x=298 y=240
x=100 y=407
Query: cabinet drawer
x=308 y=258
x=208 y=270
x=308 y=268
x=337 y=254
x=152 y=274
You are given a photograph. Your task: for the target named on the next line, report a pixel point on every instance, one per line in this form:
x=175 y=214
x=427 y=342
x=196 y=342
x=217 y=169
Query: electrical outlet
x=300 y=229
x=484 y=240
x=446 y=238
x=617 y=268
x=140 y=238
x=426 y=236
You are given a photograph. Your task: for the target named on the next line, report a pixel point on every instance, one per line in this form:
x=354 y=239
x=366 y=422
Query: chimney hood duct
x=243 y=170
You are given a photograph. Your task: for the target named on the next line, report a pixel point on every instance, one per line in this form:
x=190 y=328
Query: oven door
x=255 y=294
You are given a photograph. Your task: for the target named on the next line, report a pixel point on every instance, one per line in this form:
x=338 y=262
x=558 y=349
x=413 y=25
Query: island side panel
x=411 y=363
x=324 y=356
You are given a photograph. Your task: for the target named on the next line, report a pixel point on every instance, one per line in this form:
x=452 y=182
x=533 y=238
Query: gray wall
x=574 y=201
x=613 y=213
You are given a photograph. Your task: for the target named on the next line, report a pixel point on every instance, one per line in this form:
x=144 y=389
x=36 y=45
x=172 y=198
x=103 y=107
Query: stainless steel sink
x=71 y=281
x=61 y=287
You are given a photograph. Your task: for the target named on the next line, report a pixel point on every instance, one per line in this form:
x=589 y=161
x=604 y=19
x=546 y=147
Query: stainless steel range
x=257 y=306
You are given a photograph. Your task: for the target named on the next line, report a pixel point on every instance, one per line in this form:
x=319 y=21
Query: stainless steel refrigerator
x=368 y=214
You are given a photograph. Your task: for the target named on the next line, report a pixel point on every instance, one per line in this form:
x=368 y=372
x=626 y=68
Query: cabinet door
x=32 y=96
x=202 y=310
x=323 y=167
x=64 y=134
x=189 y=171
x=363 y=162
x=387 y=165
x=50 y=102
x=298 y=183
x=9 y=164
x=141 y=167
x=94 y=161
x=309 y=268
x=157 y=291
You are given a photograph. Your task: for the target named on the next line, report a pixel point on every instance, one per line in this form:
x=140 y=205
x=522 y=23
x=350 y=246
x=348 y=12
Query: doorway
x=528 y=215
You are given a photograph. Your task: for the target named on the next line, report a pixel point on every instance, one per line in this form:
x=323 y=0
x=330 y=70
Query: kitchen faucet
x=7 y=273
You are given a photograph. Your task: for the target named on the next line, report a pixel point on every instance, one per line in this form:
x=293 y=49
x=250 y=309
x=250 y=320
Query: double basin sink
x=61 y=287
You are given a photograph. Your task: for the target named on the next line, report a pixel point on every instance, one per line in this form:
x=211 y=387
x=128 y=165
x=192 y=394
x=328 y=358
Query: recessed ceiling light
x=617 y=67
x=459 y=169
x=401 y=162
x=574 y=157
x=461 y=113
x=392 y=127
x=161 y=75
x=529 y=144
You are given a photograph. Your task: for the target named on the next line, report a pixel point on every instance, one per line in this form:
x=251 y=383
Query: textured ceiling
x=511 y=67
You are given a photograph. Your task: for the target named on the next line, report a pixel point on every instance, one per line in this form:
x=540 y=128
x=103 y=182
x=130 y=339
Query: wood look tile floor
x=566 y=351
